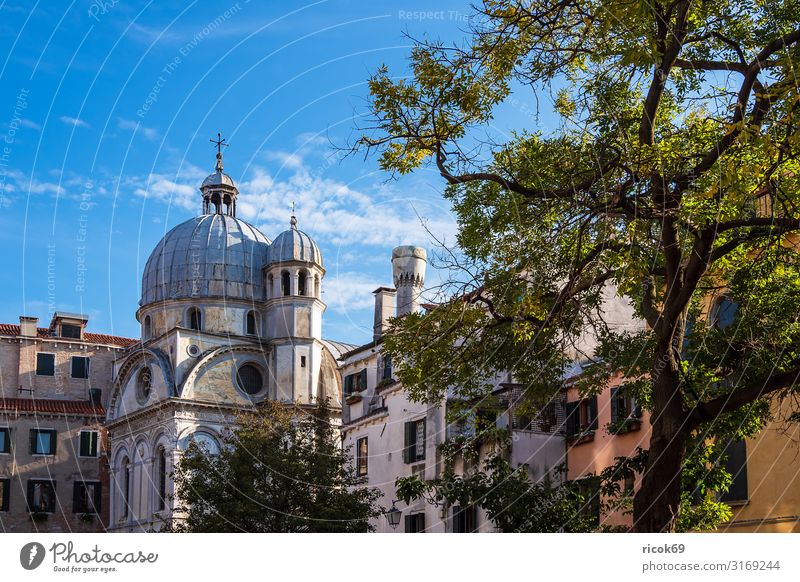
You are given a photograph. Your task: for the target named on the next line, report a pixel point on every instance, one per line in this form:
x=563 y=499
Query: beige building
x=54 y=386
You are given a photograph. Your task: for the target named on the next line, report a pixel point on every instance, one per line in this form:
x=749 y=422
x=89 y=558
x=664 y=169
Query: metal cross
x=220 y=142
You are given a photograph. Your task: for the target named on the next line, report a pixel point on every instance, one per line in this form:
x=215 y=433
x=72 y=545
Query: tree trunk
x=657 y=503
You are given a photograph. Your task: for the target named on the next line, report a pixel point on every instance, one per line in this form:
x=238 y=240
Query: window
x=301 y=283
x=80 y=367
x=195 y=319
x=362 y=451
x=45 y=364
x=589 y=489
x=249 y=379
x=86 y=497
x=147 y=332
x=581 y=416
x=126 y=486
x=43 y=442
x=270 y=291
x=316 y=286
x=355 y=382
x=623 y=408
x=628 y=484
x=414 y=449
x=70 y=331
x=736 y=465
x=724 y=312
x=302 y=361
x=465 y=520
x=88 y=445
x=5 y=440
x=415 y=523
x=387 y=368
x=251 y=323
x=144 y=385
x=161 y=479
x=41 y=495
x=285 y=284
x=5 y=494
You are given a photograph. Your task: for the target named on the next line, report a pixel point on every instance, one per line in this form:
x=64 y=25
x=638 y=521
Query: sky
x=106 y=114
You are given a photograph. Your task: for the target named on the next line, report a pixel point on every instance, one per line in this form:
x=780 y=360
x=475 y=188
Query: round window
x=144 y=383
x=249 y=379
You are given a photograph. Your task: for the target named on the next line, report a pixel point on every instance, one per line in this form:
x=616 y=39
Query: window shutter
x=409 y=524
x=409 y=442
x=78 y=497
x=98 y=496
x=636 y=408
x=348 y=385
x=387 y=368
x=362 y=379
x=424 y=441
x=30 y=495
x=736 y=465
x=615 y=404
x=572 y=418
x=53 y=442
x=593 y=413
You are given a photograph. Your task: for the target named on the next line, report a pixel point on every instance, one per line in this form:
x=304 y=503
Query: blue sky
x=107 y=110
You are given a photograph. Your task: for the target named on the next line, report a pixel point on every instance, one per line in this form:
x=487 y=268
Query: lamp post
x=393 y=515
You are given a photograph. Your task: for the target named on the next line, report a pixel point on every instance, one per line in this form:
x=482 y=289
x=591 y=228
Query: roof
x=11 y=329
x=82 y=407
x=338 y=348
x=294 y=245
x=218 y=179
x=214 y=255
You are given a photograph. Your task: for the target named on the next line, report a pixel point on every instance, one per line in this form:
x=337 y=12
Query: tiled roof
x=83 y=407
x=11 y=329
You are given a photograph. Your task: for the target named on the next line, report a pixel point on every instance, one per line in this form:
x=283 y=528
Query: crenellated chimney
x=408 y=268
x=384 y=309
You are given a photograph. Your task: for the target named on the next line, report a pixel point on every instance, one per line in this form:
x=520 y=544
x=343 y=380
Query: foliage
x=670 y=179
x=279 y=470
x=511 y=500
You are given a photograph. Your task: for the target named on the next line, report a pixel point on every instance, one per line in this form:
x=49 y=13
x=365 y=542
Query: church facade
x=228 y=319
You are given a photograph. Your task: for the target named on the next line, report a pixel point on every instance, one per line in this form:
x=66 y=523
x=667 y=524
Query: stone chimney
x=384 y=309
x=27 y=326
x=408 y=268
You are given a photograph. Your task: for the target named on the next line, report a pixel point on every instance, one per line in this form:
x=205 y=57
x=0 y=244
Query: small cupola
x=219 y=191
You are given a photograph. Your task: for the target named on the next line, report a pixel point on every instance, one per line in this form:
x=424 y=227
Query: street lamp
x=393 y=516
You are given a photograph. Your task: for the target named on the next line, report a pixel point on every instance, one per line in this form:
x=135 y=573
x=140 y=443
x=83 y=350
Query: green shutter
x=573 y=420
x=348 y=385
x=78 y=497
x=409 y=443
x=362 y=380
x=424 y=440
x=593 y=413
x=615 y=404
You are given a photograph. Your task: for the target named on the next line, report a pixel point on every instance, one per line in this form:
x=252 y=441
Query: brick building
x=54 y=387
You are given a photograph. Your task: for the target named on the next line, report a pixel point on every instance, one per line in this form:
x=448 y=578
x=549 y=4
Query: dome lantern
x=219 y=191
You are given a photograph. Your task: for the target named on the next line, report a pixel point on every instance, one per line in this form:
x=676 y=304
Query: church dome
x=214 y=255
x=294 y=245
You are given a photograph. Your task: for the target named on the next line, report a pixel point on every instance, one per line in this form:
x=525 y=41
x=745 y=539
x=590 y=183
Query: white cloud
x=73 y=121
x=350 y=291
x=30 y=124
x=286 y=160
x=147 y=132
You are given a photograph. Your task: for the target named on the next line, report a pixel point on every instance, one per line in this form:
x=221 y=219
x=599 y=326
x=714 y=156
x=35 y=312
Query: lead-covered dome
x=214 y=255
x=294 y=245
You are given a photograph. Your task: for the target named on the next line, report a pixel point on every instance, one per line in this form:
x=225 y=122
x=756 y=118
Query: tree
x=513 y=502
x=671 y=178
x=278 y=470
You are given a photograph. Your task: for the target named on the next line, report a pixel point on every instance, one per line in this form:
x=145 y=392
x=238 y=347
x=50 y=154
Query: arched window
x=285 y=284
x=301 y=283
x=252 y=323
x=148 y=332
x=126 y=486
x=161 y=479
x=144 y=384
x=195 y=319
